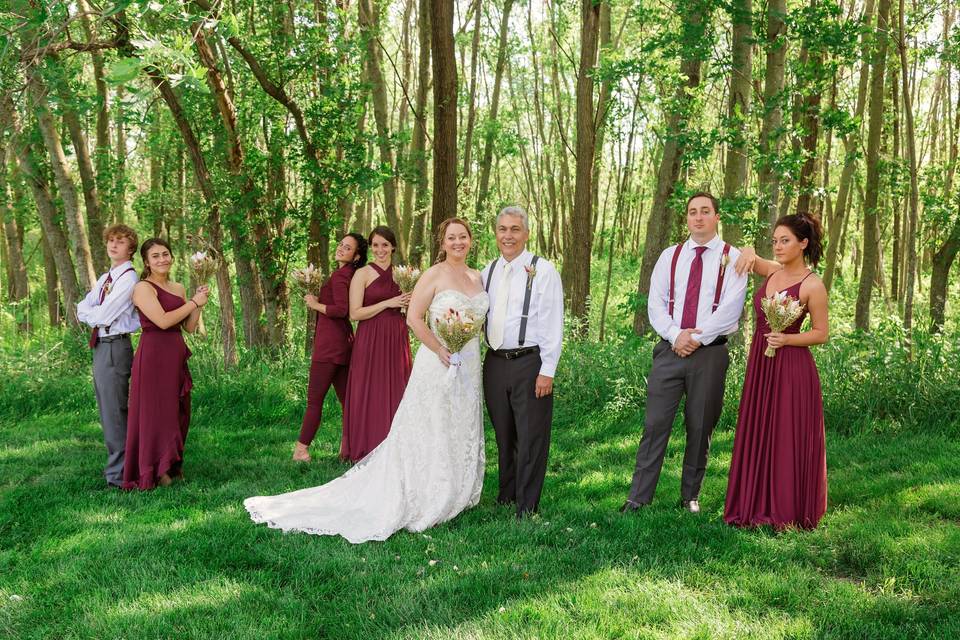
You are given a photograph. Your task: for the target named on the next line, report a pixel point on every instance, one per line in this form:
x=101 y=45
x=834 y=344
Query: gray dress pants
x=701 y=378
x=112 y=359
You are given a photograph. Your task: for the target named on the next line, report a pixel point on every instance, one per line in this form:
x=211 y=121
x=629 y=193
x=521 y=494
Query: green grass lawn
x=80 y=561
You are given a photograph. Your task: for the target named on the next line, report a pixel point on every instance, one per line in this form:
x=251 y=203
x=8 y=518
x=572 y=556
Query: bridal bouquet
x=406 y=278
x=455 y=330
x=203 y=267
x=308 y=279
x=781 y=311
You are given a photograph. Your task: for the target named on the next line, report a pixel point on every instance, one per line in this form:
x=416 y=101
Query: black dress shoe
x=630 y=506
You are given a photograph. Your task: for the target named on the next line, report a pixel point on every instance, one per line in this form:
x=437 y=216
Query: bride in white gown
x=430 y=467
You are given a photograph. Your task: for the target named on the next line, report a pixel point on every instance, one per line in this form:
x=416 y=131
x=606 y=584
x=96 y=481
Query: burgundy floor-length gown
x=778 y=475
x=379 y=369
x=159 y=411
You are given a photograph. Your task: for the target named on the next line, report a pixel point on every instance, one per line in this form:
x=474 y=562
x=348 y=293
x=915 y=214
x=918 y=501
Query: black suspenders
x=526 y=299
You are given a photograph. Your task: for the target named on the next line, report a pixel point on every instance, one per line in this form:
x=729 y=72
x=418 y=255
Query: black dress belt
x=118 y=336
x=513 y=354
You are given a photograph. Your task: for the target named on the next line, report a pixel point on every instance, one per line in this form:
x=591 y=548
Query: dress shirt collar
x=116 y=272
x=524 y=258
x=713 y=243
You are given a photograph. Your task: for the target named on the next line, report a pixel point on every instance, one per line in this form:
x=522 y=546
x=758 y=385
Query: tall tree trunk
x=253 y=298
x=418 y=147
x=51 y=282
x=576 y=266
x=472 y=104
x=810 y=123
x=490 y=131
x=738 y=114
x=370 y=27
x=214 y=231
x=444 y=116
x=696 y=15
x=911 y=234
x=851 y=147
x=17 y=284
x=88 y=183
x=775 y=43
x=870 y=213
x=120 y=173
x=76 y=225
x=101 y=152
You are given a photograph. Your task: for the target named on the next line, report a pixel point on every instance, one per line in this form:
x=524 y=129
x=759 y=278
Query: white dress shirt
x=721 y=322
x=116 y=315
x=545 y=320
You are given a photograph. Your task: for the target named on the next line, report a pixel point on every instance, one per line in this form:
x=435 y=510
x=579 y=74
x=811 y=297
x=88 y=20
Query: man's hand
x=684 y=345
x=544 y=386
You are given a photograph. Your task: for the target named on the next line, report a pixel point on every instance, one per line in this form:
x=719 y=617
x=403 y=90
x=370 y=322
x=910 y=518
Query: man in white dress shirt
x=525 y=335
x=695 y=302
x=108 y=309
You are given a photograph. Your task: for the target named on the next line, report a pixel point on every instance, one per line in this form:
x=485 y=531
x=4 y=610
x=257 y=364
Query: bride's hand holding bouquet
x=455 y=330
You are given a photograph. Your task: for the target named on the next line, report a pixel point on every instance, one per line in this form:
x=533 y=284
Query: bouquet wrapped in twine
x=781 y=311
x=309 y=279
x=455 y=330
x=203 y=267
x=406 y=278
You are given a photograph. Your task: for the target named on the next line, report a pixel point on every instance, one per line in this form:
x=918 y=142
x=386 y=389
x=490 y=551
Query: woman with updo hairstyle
x=332 y=340
x=381 y=361
x=778 y=475
x=158 y=414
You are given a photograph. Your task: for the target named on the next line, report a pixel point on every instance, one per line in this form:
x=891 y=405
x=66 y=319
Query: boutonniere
x=531 y=274
x=724 y=261
x=107 y=287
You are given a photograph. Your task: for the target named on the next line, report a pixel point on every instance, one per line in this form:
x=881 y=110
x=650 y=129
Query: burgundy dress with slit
x=380 y=366
x=159 y=411
x=778 y=475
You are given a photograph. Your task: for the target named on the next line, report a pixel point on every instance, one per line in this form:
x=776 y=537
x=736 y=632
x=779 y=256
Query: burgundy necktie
x=692 y=299
x=103 y=294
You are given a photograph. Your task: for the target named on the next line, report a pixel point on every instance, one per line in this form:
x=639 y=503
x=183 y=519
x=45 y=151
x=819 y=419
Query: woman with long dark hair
x=158 y=416
x=778 y=475
x=333 y=339
x=381 y=360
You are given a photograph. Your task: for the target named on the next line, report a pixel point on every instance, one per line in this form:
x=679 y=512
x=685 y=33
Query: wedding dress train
x=428 y=469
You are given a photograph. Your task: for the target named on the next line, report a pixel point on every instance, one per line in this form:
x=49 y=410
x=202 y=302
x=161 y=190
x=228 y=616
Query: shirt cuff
x=672 y=334
x=548 y=370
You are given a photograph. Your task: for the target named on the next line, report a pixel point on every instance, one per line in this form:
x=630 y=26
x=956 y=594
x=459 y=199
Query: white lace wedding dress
x=427 y=470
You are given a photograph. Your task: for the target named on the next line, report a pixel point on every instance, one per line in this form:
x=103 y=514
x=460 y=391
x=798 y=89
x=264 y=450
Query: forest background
x=260 y=131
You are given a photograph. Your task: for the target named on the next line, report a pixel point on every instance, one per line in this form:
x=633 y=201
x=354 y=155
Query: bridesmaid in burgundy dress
x=332 y=339
x=778 y=475
x=381 y=362
x=159 y=409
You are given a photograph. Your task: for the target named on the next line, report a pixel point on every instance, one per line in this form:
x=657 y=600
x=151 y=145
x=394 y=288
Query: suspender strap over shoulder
x=673 y=276
x=486 y=288
x=526 y=300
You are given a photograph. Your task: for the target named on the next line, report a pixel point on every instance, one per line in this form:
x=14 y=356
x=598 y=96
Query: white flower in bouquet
x=781 y=311
x=203 y=266
x=308 y=279
x=406 y=278
x=455 y=330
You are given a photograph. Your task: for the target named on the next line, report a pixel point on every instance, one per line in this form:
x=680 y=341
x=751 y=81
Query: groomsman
x=108 y=309
x=525 y=335
x=694 y=304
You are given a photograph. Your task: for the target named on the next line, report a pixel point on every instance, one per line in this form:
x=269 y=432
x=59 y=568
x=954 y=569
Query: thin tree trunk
x=76 y=225
x=444 y=116
x=418 y=151
x=576 y=266
x=870 y=213
x=472 y=105
x=370 y=28
x=489 y=136
x=911 y=235
x=775 y=42
x=738 y=112
x=120 y=175
x=101 y=152
x=214 y=231
x=51 y=282
x=661 y=221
